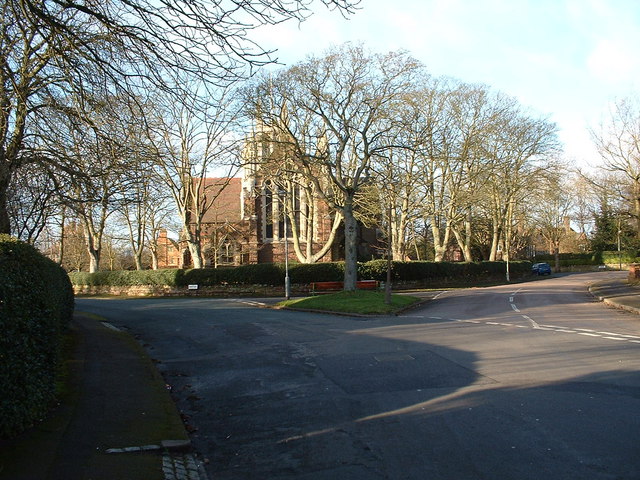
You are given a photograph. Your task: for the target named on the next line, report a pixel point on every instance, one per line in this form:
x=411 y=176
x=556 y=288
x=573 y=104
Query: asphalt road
x=529 y=381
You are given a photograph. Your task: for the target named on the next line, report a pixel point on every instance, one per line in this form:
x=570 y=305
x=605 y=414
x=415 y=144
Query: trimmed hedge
x=36 y=304
x=441 y=271
x=272 y=274
x=597 y=258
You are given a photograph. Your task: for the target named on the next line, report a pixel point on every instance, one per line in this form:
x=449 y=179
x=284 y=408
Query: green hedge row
x=36 y=304
x=597 y=258
x=434 y=271
x=273 y=274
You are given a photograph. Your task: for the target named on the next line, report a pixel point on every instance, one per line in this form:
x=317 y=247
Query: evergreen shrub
x=36 y=304
x=613 y=257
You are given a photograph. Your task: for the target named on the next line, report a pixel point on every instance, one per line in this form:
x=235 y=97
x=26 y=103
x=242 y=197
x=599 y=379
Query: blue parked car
x=541 y=269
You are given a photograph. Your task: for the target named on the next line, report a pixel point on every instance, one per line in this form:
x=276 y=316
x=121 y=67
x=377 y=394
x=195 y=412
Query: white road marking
x=514 y=307
x=533 y=323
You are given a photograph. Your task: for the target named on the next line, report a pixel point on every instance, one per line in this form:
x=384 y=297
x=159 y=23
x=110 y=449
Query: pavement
x=117 y=421
x=618 y=293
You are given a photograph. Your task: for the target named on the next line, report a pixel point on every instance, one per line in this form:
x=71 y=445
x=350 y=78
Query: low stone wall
x=166 y=291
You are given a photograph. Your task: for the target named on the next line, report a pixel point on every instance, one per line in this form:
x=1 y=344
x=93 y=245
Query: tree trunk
x=464 y=240
x=398 y=245
x=5 y=224
x=196 y=253
x=154 y=259
x=439 y=244
x=137 y=257
x=94 y=260
x=350 y=247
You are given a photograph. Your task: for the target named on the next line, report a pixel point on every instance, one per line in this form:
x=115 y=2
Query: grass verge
x=360 y=302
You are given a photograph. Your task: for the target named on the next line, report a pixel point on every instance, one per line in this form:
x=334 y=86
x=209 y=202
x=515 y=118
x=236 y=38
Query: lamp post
x=287 y=282
x=387 y=285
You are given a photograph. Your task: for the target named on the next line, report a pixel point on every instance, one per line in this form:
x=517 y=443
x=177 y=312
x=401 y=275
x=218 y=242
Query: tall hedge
x=273 y=274
x=36 y=303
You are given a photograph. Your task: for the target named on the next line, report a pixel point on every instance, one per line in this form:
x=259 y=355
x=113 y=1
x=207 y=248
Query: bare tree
x=32 y=203
x=436 y=132
x=521 y=151
x=290 y=194
x=618 y=142
x=192 y=140
x=552 y=207
x=54 y=50
x=343 y=104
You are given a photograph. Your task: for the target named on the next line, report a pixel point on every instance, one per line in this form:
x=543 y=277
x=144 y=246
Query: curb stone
x=182 y=467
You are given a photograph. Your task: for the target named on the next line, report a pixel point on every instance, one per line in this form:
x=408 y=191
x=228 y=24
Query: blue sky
x=563 y=59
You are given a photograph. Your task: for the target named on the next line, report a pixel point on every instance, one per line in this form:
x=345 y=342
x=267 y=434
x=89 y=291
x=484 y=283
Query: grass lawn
x=358 y=302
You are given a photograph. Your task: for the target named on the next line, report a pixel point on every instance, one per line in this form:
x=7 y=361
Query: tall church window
x=268 y=209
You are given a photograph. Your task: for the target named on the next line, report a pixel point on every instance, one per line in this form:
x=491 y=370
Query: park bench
x=318 y=288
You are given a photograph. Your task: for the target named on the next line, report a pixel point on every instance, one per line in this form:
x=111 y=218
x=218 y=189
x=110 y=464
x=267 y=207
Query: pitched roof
x=226 y=194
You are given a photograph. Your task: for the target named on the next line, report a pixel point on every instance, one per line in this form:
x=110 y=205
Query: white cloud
x=612 y=61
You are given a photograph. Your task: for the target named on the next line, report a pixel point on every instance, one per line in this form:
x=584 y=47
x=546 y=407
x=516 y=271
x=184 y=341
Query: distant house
x=169 y=252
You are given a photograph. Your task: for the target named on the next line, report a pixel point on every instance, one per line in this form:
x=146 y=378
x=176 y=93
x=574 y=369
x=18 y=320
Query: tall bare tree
x=340 y=116
x=53 y=50
x=193 y=139
x=269 y=155
x=618 y=142
x=551 y=208
x=522 y=151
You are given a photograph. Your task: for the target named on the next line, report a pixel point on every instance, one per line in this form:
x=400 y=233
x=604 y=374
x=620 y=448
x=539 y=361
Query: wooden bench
x=318 y=288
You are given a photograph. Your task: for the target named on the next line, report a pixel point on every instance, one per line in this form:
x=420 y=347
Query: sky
x=565 y=60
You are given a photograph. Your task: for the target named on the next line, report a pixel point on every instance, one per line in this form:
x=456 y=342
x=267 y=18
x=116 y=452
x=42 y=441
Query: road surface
x=528 y=381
